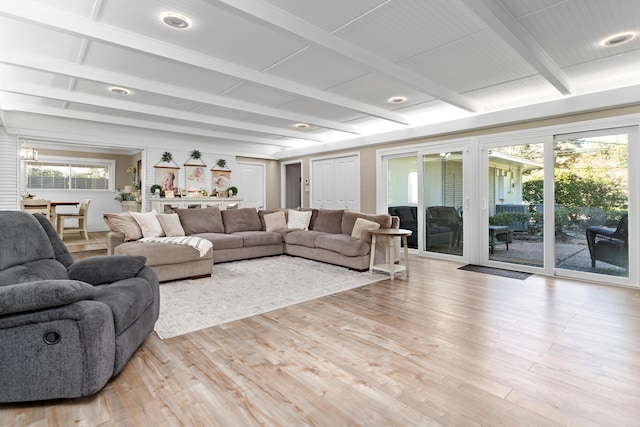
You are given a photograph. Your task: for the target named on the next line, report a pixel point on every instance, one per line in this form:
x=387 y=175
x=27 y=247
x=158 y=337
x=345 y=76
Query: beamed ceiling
x=246 y=72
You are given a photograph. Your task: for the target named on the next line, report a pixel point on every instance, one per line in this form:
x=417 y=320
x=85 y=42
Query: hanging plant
x=167 y=157
x=196 y=154
x=221 y=163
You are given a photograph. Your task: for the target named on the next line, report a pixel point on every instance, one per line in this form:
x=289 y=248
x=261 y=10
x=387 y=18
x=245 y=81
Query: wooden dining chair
x=80 y=216
x=37 y=206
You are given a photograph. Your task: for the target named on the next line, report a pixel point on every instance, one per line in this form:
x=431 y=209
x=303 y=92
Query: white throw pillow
x=275 y=221
x=148 y=223
x=299 y=219
x=363 y=225
x=171 y=224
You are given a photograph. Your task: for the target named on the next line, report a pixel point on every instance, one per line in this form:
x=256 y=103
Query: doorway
x=292 y=185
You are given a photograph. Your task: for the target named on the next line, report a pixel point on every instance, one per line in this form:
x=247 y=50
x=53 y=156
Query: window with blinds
x=68 y=175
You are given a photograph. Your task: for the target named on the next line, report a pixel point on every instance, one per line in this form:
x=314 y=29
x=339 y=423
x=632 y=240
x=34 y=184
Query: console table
x=194 y=202
x=389 y=265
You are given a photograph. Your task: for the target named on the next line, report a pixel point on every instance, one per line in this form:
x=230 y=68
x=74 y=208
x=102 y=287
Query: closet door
x=335 y=183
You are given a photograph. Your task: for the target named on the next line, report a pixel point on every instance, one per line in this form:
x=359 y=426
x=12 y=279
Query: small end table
x=389 y=265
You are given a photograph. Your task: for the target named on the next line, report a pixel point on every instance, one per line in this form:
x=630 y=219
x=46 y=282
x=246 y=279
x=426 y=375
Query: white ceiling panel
x=29 y=38
x=376 y=89
x=84 y=8
x=322 y=110
x=493 y=62
x=514 y=93
x=519 y=8
x=15 y=75
x=319 y=68
x=322 y=13
x=215 y=31
x=103 y=56
x=260 y=95
x=143 y=97
x=402 y=29
x=571 y=32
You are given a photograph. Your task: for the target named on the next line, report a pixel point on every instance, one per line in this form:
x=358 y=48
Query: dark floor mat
x=495 y=271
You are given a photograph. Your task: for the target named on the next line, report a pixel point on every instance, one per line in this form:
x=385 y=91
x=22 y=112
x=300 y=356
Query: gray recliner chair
x=66 y=327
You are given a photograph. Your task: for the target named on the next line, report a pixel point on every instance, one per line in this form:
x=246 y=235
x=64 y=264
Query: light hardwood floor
x=444 y=347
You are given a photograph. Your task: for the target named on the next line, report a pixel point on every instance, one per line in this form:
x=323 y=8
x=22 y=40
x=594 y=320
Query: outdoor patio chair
x=609 y=245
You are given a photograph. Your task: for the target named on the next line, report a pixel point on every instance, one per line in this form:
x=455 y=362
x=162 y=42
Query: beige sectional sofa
x=324 y=235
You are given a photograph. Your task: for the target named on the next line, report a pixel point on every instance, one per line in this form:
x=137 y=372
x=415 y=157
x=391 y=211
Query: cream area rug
x=241 y=289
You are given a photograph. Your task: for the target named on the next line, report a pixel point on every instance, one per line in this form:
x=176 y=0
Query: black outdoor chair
x=609 y=245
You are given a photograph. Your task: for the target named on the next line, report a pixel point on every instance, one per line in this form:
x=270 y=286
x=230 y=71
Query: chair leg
x=60 y=226
x=83 y=225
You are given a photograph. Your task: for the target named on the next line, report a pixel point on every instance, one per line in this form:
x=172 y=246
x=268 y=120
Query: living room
x=456 y=92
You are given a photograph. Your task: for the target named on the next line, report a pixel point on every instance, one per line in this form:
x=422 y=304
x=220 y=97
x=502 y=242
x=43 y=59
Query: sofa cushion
x=128 y=299
x=171 y=225
x=343 y=244
x=245 y=219
x=329 y=221
x=361 y=226
x=302 y=238
x=195 y=221
x=299 y=219
x=222 y=241
x=349 y=220
x=125 y=224
x=158 y=253
x=259 y=238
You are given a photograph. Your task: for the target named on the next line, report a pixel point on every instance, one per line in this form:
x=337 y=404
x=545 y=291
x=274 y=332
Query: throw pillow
x=363 y=225
x=125 y=224
x=299 y=219
x=148 y=223
x=171 y=225
x=329 y=221
x=275 y=221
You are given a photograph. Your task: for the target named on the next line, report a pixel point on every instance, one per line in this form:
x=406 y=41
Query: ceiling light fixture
x=397 y=99
x=618 y=39
x=301 y=126
x=176 y=21
x=119 y=90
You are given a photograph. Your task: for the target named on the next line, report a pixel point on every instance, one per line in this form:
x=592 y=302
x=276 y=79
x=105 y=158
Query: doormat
x=496 y=271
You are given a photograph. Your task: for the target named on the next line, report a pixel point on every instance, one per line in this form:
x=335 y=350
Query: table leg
x=391 y=255
x=373 y=253
x=406 y=254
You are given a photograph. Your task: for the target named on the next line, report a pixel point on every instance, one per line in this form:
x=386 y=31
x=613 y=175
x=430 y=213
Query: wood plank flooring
x=443 y=347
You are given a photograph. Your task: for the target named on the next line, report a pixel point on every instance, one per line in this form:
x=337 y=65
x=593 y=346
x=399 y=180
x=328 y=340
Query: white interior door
x=250 y=180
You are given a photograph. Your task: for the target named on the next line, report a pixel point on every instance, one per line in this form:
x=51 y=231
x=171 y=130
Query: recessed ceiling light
x=119 y=90
x=618 y=39
x=176 y=21
x=301 y=126
x=397 y=99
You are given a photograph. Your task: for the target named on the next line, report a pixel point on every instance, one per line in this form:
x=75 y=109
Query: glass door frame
x=547 y=136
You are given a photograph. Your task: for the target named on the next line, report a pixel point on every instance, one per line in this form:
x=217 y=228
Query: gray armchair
x=66 y=327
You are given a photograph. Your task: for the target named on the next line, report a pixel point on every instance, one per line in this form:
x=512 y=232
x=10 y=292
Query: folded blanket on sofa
x=198 y=243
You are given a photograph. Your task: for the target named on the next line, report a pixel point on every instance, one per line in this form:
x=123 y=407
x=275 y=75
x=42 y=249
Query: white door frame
x=283 y=181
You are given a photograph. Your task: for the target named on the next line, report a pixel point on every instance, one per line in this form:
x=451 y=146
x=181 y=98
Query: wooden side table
x=389 y=265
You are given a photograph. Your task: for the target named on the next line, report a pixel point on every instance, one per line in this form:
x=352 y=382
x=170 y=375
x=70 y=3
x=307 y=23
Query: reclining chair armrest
x=23 y=297
x=106 y=269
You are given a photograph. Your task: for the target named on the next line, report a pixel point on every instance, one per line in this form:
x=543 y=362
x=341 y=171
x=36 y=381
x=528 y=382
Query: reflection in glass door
x=591 y=181
x=402 y=194
x=443 y=201
x=515 y=207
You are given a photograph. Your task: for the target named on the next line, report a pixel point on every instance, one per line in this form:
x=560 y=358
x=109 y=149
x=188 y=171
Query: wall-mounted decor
x=221 y=176
x=195 y=171
x=167 y=173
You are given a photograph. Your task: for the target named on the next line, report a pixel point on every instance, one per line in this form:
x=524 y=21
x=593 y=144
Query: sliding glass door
x=442 y=175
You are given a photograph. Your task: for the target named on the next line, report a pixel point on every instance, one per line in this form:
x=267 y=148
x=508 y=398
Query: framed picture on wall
x=169 y=194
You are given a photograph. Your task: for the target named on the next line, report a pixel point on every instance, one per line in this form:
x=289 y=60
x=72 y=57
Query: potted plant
x=155 y=189
x=233 y=191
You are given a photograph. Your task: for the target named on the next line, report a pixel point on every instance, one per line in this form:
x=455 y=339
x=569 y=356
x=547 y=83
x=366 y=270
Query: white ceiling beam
x=124 y=121
x=301 y=28
x=44 y=15
x=136 y=107
x=50 y=65
x=499 y=20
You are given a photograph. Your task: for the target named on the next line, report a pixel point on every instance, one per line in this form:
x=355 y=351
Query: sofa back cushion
x=349 y=220
x=23 y=239
x=329 y=221
x=245 y=219
x=125 y=224
x=195 y=221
